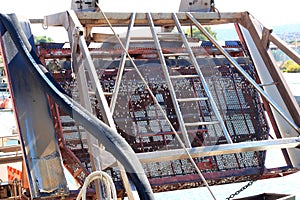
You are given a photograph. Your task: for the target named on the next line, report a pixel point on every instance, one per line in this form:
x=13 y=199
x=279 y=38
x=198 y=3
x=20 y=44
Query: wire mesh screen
x=144 y=127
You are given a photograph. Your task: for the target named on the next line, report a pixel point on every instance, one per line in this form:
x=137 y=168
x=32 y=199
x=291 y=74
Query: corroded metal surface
x=144 y=114
x=140 y=122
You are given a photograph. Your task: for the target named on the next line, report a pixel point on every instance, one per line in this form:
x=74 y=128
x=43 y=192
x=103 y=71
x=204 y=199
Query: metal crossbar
x=199 y=75
x=242 y=71
x=169 y=82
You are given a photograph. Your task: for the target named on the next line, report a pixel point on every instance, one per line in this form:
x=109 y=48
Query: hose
x=113 y=142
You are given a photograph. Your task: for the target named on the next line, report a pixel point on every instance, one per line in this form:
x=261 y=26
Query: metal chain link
x=242 y=189
x=263 y=157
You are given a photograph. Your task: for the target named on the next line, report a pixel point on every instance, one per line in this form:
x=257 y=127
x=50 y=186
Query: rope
x=158 y=105
x=106 y=180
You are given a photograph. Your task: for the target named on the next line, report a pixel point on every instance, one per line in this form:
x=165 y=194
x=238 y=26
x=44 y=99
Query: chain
x=262 y=157
x=242 y=189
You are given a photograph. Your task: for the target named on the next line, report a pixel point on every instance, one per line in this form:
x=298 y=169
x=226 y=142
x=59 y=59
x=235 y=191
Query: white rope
x=158 y=105
x=106 y=180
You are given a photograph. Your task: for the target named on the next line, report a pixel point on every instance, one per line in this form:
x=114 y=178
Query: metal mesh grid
x=142 y=125
x=140 y=122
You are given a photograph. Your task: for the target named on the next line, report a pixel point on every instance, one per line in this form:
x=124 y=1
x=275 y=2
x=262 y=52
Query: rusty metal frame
x=165 y=19
x=77 y=22
x=82 y=61
x=257 y=38
x=253 y=27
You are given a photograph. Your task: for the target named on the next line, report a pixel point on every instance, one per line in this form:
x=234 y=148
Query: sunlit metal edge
x=222 y=149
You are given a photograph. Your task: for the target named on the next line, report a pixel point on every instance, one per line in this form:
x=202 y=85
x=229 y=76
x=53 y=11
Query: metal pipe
x=203 y=81
x=243 y=72
x=169 y=82
x=121 y=66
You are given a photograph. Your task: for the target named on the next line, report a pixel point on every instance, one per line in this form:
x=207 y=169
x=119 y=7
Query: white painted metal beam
x=222 y=149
